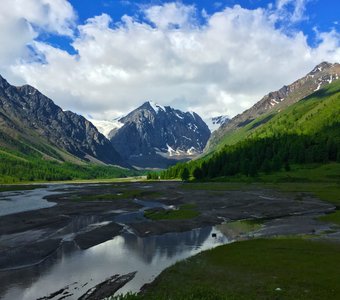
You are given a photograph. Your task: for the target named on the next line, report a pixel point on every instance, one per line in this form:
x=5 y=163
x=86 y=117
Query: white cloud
x=21 y=21
x=221 y=67
x=292 y=9
x=171 y=14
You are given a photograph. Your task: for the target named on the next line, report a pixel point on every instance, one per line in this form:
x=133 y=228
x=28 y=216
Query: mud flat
x=91 y=216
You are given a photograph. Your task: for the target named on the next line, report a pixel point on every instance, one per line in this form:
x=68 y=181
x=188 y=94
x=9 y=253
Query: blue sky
x=105 y=58
x=323 y=15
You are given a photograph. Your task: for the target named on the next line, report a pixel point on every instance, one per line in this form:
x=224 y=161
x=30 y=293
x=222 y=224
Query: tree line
x=266 y=155
x=16 y=169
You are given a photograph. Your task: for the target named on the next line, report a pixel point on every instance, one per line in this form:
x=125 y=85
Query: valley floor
x=294 y=234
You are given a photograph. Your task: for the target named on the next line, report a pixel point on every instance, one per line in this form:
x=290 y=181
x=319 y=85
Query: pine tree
x=197 y=173
x=287 y=166
x=185 y=174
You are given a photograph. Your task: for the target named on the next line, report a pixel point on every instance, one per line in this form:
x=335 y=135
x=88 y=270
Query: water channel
x=77 y=270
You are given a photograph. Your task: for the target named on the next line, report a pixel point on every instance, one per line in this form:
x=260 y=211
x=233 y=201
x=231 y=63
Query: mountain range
x=31 y=120
x=322 y=75
x=154 y=136
x=306 y=132
x=151 y=136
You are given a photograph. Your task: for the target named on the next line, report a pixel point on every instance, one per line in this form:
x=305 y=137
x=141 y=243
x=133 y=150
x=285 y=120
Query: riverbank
x=80 y=206
x=280 y=268
x=87 y=215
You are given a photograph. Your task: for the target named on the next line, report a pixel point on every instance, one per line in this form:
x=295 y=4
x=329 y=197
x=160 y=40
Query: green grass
x=242 y=133
x=256 y=269
x=241 y=228
x=325 y=191
x=185 y=211
x=304 y=117
x=323 y=181
x=17 y=167
x=332 y=218
x=305 y=173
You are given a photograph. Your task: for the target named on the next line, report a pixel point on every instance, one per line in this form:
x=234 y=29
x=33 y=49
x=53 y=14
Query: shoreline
x=78 y=219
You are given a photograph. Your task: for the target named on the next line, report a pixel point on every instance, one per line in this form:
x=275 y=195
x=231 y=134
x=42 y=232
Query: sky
x=104 y=58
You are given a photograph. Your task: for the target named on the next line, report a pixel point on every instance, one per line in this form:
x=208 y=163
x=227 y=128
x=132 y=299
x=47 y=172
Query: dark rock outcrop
x=155 y=136
x=27 y=114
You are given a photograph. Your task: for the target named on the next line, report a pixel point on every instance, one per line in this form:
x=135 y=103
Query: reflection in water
x=167 y=245
x=123 y=254
x=13 y=202
x=19 y=201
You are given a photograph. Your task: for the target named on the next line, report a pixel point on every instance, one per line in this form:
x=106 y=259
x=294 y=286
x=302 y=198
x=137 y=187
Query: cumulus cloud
x=171 y=15
x=220 y=67
x=22 y=21
x=292 y=9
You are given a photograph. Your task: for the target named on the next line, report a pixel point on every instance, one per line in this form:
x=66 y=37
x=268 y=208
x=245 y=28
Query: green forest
x=306 y=132
x=23 y=160
x=15 y=167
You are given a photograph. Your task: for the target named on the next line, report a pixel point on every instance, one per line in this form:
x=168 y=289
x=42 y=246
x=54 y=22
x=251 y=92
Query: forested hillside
x=15 y=168
x=29 y=118
x=23 y=163
x=321 y=76
x=305 y=132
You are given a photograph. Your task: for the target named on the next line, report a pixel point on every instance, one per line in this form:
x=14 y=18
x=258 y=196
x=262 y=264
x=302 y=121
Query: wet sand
x=85 y=216
x=89 y=222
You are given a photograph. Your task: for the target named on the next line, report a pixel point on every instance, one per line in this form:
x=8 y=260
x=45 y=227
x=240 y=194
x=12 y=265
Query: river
x=76 y=270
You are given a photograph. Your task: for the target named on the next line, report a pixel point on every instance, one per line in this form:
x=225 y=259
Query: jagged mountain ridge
x=27 y=115
x=157 y=136
x=322 y=75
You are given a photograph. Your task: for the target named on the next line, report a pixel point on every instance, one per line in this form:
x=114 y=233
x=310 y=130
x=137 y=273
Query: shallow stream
x=75 y=271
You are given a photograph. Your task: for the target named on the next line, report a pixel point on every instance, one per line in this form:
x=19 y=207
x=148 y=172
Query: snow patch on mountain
x=106 y=126
x=156 y=107
x=192 y=113
x=215 y=122
x=178 y=116
x=163 y=135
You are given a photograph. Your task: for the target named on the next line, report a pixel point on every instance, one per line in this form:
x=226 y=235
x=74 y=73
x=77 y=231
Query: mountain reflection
x=166 y=245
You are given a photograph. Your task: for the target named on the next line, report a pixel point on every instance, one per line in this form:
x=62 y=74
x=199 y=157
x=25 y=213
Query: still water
x=76 y=271
x=80 y=270
x=19 y=201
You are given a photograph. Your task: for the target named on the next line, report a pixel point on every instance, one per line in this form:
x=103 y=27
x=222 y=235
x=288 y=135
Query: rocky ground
x=86 y=215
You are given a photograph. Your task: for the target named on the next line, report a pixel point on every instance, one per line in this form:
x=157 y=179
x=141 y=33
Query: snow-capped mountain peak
x=106 y=126
x=156 y=107
x=157 y=136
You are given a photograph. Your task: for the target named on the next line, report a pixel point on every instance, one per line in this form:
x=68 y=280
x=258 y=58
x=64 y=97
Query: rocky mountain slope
x=322 y=75
x=155 y=136
x=306 y=132
x=30 y=120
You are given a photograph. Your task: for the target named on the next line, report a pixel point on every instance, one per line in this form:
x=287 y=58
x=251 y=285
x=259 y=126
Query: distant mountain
x=215 y=122
x=106 y=126
x=155 y=136
x=29 y=120
x=306 y=132
x=322 y=75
